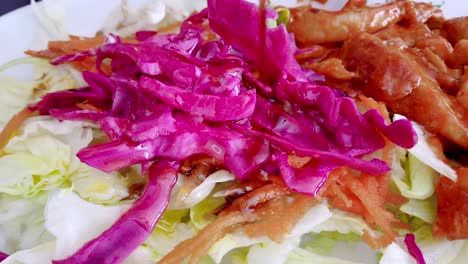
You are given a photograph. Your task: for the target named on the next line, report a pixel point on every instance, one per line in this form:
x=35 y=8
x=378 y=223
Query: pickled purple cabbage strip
x=209 y=107
x=230 y=19
x=3 y=256
x=135 y=226
x=413 y=249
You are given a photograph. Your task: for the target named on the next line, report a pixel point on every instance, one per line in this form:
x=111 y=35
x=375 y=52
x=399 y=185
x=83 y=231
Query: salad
x=237 y=132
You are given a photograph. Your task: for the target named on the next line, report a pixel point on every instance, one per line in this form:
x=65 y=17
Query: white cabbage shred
x=423 y=152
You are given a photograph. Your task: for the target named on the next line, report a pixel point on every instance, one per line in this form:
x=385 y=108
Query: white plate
x=20 y=30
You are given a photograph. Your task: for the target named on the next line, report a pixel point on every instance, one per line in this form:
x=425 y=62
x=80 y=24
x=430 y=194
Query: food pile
x=408 y=56
x=252 y=131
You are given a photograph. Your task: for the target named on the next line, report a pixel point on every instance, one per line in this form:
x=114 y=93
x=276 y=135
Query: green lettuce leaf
x=393 y=253
x=42 y=156
x=441 y=250
x=170 y=219
x=74 y=221
x=302 y=256
x=423 y=152
x=14 y=95
x=40 y=254
x=203 y=190
x=203 y=213
x=99 y=187
x=234 y=240
x=324 y=242
x=419 y=181
x=262 y=249
x=343 y=223
x=463 y=256
x=423 y=209
x=22 y=223
x=163 y=242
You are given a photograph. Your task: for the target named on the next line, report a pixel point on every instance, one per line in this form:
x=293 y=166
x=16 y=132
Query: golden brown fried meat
x=332 y=67
x=312 y=26
x=390 y=75
x=435 y=68
x=385 y=73
x=459 y=57
x=455 y=29
x=418 y=35
x=452 y=207
x=462 y=96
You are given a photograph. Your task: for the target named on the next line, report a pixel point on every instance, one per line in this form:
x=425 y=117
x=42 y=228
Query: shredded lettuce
x=40 y=254
x=203 y=213
x=234 y=240
x=340 y=237
x=420 y=177
x=343 y=223
x=434 y=251
x=272 y=252
x=170 y=220
x=21 y=223
x=129 y=17
x=47 y=77
x=324 y=242
x=74 y=221
x=463 y=256
x=424 y=232
x=206 y=187
x=132 y=16
x=51 y=14
x=302 y=256
x=99 y=187
x=262 y=249
x=423 y=152
x=142 y=255
x=393 y=253
x=163 y=242
x=14 y=95
x=423 y=209
x=440 y=251
x=42 y=156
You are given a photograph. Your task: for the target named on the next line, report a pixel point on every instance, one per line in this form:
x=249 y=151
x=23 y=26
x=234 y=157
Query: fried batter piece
x=396 y=79
x=408 y=56
x=402 y=53
x=452 y=207
x=312 y=26
x=455 y=29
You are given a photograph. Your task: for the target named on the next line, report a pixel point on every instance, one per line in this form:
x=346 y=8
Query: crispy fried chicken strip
x=420 y=36
x=456 y=29
x=312 y=26
x=459 y=57
x=462 y=96
x=391 y=76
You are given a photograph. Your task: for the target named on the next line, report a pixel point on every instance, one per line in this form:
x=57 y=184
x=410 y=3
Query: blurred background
x=10 y=5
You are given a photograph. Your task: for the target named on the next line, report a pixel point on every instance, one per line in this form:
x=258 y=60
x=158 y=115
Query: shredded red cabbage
x=135 y=226
x=413 y=249
x=3 y=256
x=176 y=95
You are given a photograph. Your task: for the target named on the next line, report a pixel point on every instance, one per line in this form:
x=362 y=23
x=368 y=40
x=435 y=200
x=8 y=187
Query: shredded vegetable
x=413 y=248
x=238 y=149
